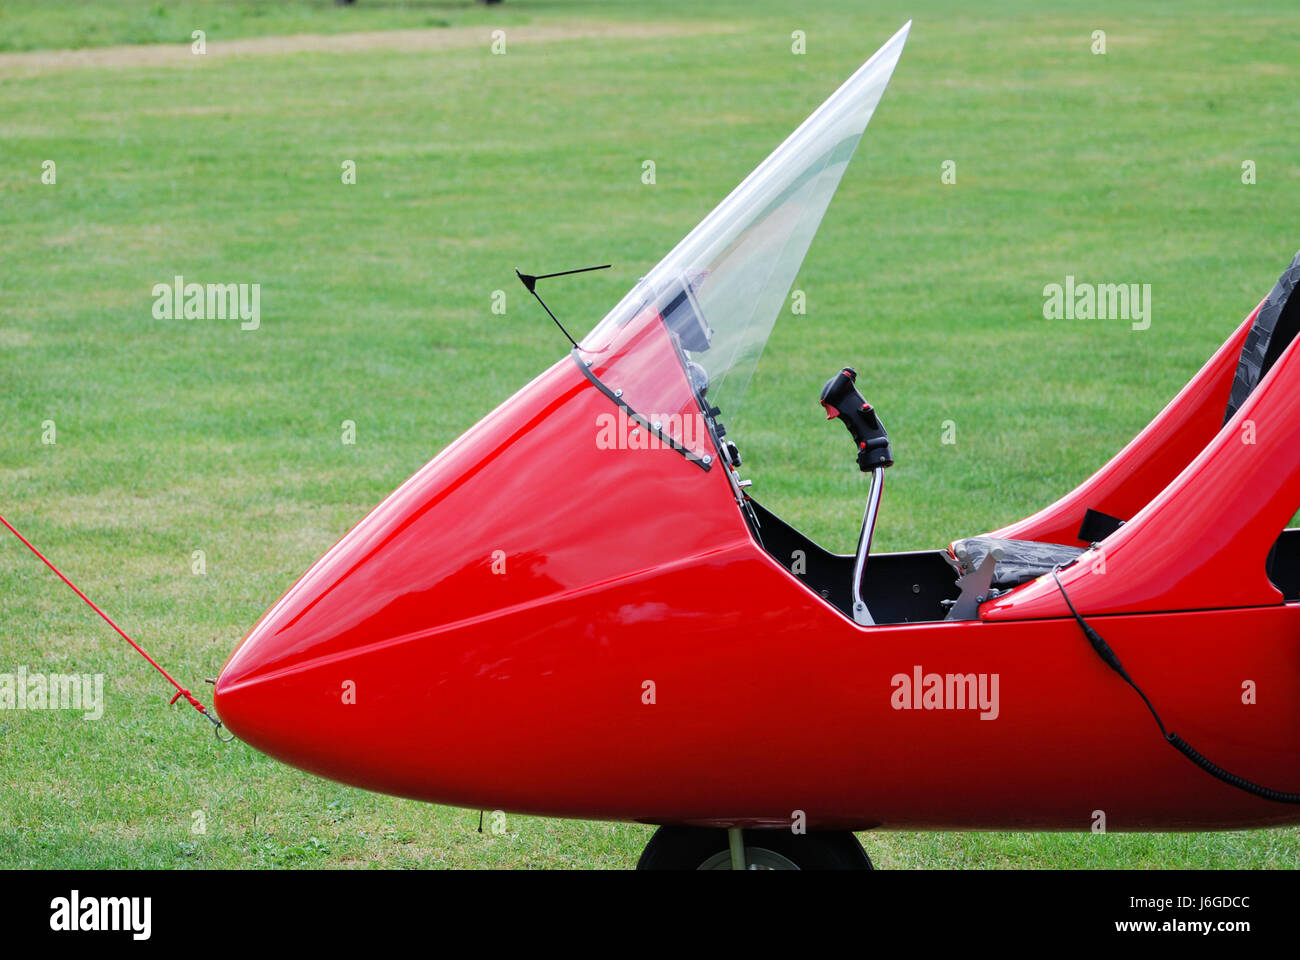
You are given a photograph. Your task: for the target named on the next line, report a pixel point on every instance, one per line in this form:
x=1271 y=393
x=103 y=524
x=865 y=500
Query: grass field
x=177 y=436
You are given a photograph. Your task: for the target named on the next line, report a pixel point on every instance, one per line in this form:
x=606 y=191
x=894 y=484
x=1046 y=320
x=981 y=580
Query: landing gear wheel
x=700 y=848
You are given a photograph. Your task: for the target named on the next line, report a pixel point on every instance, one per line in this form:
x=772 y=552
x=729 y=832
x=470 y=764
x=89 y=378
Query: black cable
x=1174 y=740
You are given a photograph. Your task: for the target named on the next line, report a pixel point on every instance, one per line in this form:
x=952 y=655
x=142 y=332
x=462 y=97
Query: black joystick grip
x=841 y=399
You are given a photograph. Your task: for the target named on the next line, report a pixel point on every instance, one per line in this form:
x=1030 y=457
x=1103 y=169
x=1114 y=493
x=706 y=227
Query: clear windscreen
x=718 y=293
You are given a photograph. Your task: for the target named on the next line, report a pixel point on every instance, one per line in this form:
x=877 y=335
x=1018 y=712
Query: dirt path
x=407 y=41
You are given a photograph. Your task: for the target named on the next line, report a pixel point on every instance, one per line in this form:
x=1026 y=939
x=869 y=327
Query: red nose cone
x=453 y=615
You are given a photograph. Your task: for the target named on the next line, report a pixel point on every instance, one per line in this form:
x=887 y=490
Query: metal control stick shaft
x=860 y=612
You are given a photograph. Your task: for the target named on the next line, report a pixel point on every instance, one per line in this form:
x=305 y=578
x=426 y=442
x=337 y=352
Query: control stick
x=841 y=399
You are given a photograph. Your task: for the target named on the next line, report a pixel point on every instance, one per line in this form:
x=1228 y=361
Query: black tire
x=691 y=848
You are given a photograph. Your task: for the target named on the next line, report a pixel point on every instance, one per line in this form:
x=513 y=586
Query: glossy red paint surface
x=645 y=367
x=499 y=618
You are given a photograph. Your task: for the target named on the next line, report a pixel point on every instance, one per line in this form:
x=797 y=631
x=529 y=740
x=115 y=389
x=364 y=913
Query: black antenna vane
x=530 y=284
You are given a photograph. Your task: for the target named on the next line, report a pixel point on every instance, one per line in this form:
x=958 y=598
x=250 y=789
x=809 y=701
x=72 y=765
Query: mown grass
x=74 y=24
x=177 y=436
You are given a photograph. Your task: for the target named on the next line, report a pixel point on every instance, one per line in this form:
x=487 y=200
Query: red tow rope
x=180 y=691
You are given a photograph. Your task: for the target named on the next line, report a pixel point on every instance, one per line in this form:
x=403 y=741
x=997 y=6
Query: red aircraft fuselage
x=541 y=622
